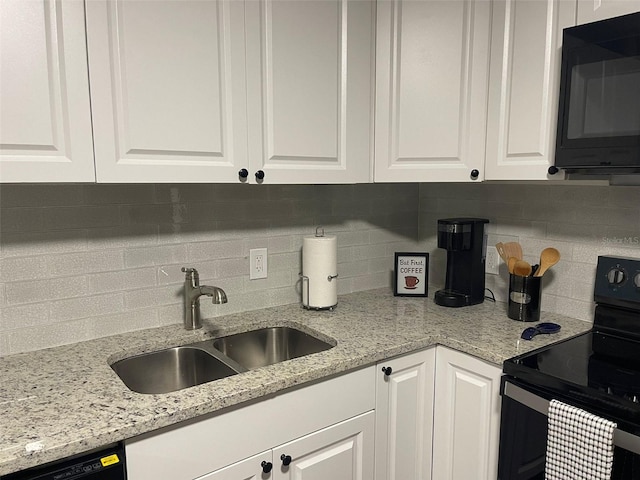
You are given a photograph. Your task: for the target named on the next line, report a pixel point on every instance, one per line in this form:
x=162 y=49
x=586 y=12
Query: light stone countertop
x=68 y=400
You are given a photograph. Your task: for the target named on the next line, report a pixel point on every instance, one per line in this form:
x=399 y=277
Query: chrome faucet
x=192 y=293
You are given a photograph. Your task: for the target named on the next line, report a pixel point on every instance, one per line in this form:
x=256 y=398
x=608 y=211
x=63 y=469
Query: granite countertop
x=65 y=400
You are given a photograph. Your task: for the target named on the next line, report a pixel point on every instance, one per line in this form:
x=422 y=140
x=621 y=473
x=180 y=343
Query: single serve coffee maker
x=464 y=240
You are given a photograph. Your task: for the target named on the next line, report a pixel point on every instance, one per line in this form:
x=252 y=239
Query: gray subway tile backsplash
x=119 y=250
x=106 y=259
x=582 y=221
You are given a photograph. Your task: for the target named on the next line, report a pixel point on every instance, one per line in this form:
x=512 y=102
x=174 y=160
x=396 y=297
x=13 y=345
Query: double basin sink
x=185 y=366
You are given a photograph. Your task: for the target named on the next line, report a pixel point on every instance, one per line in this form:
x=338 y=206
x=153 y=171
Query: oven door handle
x=621 y=439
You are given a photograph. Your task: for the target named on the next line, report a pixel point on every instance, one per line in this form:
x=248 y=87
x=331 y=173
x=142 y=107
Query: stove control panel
x=618 y=281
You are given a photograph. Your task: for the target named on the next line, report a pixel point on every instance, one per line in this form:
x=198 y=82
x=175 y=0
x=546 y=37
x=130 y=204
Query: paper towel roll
x=319 y=270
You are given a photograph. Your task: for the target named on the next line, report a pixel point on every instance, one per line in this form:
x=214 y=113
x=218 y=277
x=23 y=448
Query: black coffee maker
x=465 y=242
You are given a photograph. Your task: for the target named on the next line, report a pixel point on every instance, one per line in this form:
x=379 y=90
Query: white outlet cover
x=492 y=261
x=257 y=263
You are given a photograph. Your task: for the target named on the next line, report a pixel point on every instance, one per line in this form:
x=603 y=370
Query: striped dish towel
x=579 y=444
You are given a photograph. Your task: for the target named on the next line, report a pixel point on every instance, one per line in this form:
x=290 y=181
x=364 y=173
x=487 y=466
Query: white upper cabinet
x=310 y=84
x=432 y=68
x=168 y=90
x=523 y=87
x=198 y=91
x=45 y=119
x=593 y=10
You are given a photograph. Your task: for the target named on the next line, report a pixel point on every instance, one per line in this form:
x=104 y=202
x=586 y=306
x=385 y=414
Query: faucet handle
x=191 y=274
x=192 y=278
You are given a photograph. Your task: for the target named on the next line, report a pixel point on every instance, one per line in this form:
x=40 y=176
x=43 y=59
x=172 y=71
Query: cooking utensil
x=525 y=294
x=548 y=258
x=502 y=253
x=511 y=263
x=545 y=327
x=513 y=249
x=522 y=268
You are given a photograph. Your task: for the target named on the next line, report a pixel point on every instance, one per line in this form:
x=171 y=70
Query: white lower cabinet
x=251 y=468
x=404 y=416
x=437 y=414
x=321 y=426
x=437 y=417
x=466 y=417
x=342 y=451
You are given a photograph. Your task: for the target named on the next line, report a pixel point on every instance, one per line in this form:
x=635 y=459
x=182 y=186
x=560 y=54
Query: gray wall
x=84 y=261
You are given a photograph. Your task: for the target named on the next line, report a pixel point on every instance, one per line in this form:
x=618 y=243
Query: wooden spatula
x=513 y=249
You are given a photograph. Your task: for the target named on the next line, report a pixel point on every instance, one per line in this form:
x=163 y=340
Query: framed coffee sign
x=411 y=274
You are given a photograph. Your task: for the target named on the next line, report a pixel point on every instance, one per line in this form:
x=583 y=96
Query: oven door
x=523 y=436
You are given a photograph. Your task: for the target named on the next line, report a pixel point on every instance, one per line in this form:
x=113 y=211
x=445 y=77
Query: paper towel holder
x=308 y=305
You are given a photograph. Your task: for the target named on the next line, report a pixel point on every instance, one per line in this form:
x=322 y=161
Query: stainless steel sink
x=176 y=368
x=267 y=346
x=172 y=369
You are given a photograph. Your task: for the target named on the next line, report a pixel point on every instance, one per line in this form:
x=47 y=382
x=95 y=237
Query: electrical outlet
x=492 y=262
x=257 y=263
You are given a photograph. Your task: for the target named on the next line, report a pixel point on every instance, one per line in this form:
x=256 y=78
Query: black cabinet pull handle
x=243 y=173
x=266 y=466
x=553 y=170
x=286 y=459
x=259 y=174
x=387 y=370
x=475 y=173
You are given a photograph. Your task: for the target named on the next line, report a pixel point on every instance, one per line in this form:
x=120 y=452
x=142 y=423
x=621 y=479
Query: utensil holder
x=524 y=298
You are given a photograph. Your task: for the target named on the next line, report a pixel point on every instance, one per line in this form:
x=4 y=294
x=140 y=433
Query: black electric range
x=598 y=371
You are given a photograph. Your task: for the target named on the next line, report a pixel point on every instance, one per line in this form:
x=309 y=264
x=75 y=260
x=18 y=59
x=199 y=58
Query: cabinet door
x=593 y=10
x=524 y=86
x=432 y=64
x=404 y=417
x=211 y=442
x=310 y=82
x=168 y=90
x=343 y=451
x=44 y=91
x=466 y=417
x=248 y=469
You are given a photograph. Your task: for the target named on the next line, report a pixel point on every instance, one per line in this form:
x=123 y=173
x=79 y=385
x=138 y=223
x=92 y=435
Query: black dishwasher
x=103 y=464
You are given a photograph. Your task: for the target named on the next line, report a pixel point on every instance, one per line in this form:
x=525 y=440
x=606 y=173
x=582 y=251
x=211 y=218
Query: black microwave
x=599 y=109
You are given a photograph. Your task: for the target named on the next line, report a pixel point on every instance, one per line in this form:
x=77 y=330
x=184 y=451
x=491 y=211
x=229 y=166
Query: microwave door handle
x=622 y=439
